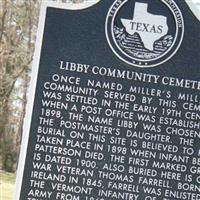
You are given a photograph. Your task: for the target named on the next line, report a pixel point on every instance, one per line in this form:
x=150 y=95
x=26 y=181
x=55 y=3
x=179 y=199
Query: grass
x=7 y=185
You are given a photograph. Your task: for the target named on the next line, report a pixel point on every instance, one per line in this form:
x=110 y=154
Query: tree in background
x=18 y=26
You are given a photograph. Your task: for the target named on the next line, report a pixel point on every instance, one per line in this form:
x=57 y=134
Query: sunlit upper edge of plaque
x=70 y=5
x=194 y=6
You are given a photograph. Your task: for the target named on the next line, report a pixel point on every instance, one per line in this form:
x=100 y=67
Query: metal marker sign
x=114 y=107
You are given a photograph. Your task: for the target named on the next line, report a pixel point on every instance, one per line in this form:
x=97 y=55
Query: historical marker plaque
x=114 y=107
